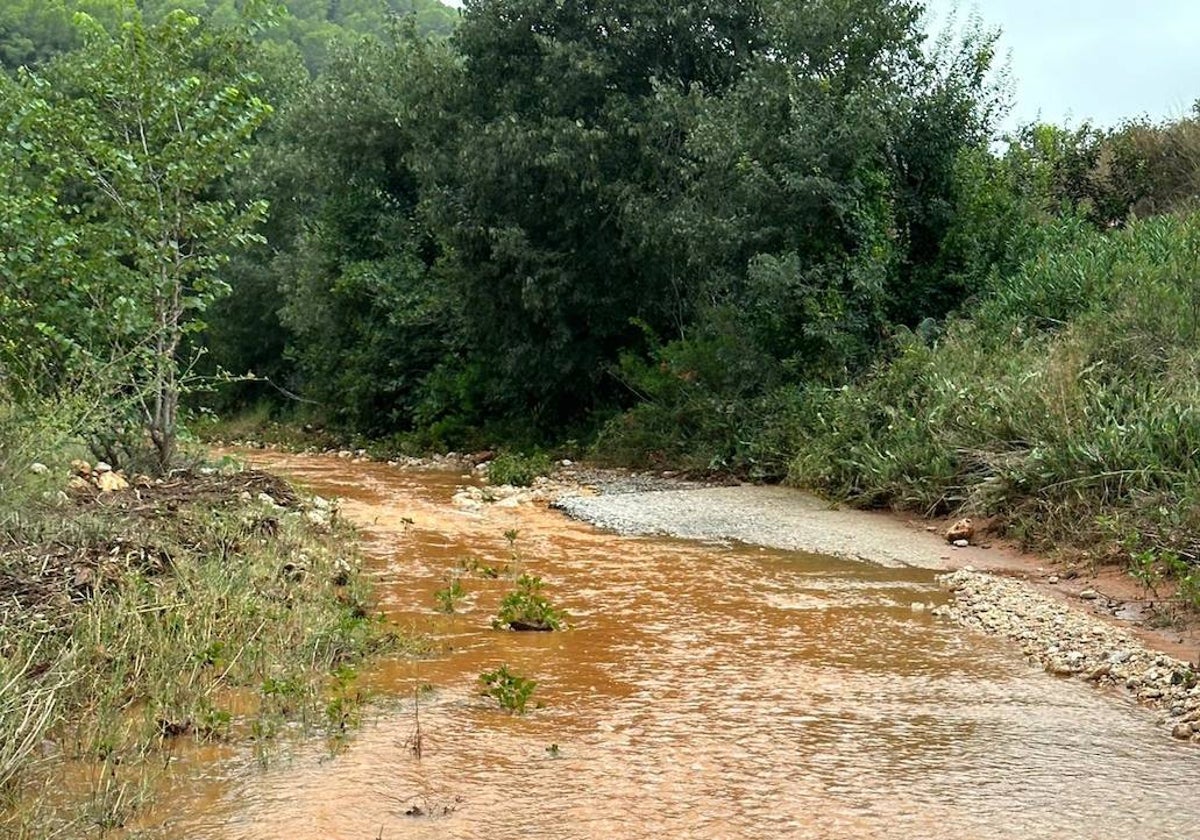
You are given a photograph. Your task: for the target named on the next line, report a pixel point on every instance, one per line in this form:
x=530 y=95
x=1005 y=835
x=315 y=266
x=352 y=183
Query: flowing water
x=702 y=691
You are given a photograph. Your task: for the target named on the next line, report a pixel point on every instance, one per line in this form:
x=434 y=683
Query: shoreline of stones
x=1072 y=644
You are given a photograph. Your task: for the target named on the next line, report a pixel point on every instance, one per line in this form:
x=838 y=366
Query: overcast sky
x=1102 y=60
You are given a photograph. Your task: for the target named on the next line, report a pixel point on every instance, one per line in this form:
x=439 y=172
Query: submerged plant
x=448 y=598
x=510 y=690
x=525 y=608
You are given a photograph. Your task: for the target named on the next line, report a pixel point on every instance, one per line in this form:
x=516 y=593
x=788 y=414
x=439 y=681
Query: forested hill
x=32 y=31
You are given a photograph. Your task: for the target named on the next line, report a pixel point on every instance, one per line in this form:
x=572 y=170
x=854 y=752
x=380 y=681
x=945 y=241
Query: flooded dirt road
x=702 y=691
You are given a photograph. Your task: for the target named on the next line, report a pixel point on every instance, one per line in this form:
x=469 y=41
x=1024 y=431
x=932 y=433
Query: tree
x=368 y=315
x=567 y=145
x=131 y=135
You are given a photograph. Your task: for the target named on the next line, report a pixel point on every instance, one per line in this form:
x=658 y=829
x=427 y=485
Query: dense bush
x=1067 y=405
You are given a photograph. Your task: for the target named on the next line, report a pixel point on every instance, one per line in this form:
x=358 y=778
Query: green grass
x=1067 y=405
x=131 y=621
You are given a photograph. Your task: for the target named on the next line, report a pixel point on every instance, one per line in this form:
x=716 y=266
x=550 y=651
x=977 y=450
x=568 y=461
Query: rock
x=102 y=467
x=38 y=468
x=566 y=462
x=268 y=500
x=1182 y=731
x=111 y=482
x=79 y=484
x=1100 y=672
x=81 y=468
x=961 y=543
x=917 y=607
x=963 y=529
x=1052 y=580
x=1089 y=594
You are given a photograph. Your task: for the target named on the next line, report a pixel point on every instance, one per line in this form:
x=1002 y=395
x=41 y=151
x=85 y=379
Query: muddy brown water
x=702 y=691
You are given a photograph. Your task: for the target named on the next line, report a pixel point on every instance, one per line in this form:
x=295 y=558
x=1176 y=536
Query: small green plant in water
x=510 y=690
x=449 y=598
x=514 y=553
x=475 y=566
x=525 y=609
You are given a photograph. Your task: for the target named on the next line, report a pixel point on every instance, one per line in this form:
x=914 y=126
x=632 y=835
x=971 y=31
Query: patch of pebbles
x=1070 y=643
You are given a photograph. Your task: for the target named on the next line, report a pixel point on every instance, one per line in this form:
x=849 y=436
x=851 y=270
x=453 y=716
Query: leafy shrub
x=448 y=598
x=525 y=608
x=510 y=690
x=517 y=469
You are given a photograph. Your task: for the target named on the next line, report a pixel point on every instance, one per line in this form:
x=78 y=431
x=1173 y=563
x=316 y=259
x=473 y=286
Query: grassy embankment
x=1066 y=405
x=193 y=608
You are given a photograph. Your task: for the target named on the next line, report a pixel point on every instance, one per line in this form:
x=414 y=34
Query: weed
x=525 y=608
x=511 y=691
x=475 y=566
x=450 y=596
x=517 y=469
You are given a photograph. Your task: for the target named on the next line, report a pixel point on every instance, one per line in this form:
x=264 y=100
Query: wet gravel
x=776 y=517
x=1071 y=643
x=1065 y=641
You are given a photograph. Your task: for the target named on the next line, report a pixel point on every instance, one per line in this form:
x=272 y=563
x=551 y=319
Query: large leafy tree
x=627 y=169
x=369 y=319
x=123 y=146
x=568 y=140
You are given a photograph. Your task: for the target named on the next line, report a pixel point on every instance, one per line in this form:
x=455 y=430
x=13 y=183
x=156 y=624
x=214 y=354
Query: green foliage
x=124 y=140
x=1066 y=405
x=34 y=31
x=368 y=316
x=450 y=596
x=518 y=469
x=510 y=690
x=526 y=609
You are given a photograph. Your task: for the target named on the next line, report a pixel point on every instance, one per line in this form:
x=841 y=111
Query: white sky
x=1102 y=60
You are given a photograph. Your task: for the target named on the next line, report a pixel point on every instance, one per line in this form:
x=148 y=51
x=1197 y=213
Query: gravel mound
x=1069 y=643
x=776 y=517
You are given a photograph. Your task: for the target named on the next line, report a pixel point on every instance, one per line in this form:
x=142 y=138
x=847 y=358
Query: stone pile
x=1071 y=643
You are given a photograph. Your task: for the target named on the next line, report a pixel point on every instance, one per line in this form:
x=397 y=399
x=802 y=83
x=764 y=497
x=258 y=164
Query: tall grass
x=1067 y=404
x=130 y=621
